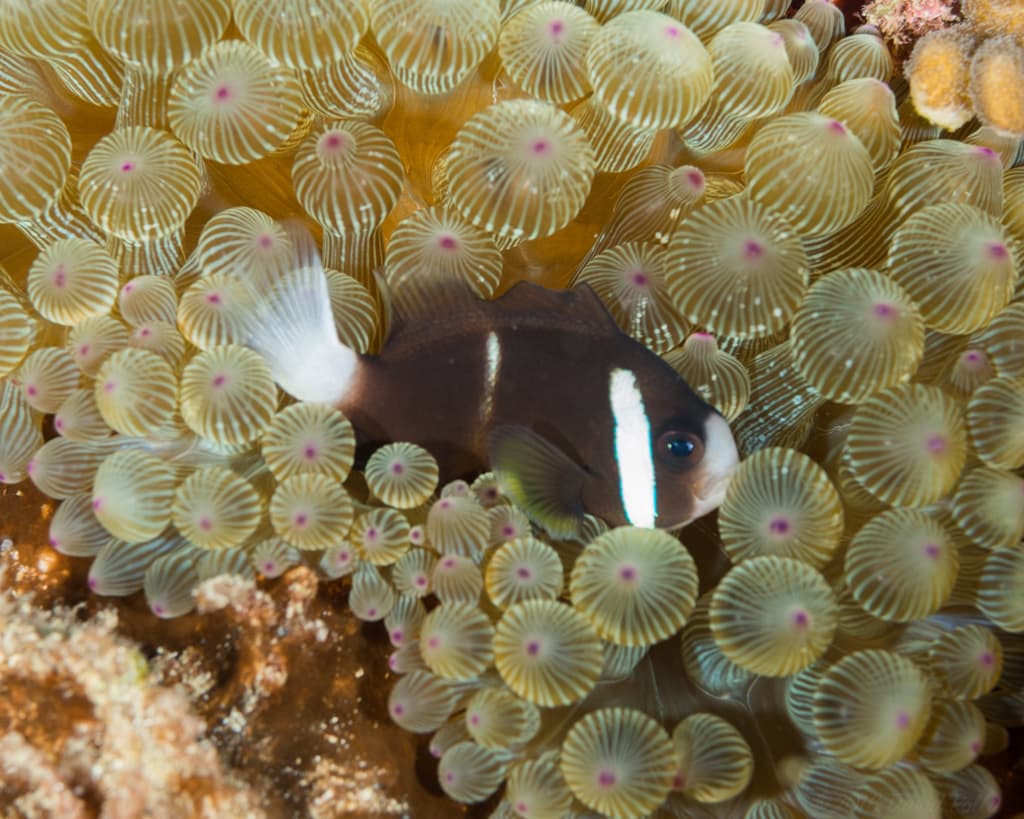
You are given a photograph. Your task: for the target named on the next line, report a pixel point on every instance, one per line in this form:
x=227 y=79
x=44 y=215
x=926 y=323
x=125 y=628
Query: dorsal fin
x=442 y=299
x=427 y=301
x=580 y=303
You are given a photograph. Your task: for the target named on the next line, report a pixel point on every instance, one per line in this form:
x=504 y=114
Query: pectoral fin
x=539 y=478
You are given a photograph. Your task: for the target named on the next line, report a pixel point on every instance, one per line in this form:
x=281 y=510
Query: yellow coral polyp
x=938 y=73
x=997 y=85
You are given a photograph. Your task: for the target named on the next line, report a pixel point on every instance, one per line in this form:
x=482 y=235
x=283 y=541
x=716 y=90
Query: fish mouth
x=711 y=495
x=720 y=460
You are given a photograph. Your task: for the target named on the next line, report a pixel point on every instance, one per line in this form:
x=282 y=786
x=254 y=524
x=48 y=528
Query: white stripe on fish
x=491 y=373
x=632 y=435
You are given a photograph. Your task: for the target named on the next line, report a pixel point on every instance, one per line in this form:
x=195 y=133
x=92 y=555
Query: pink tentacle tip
x=752 y=250
x=540 y=147
x=997 y=250
x=334 y=141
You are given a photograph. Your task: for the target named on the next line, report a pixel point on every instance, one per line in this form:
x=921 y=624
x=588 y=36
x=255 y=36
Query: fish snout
x=718 y=466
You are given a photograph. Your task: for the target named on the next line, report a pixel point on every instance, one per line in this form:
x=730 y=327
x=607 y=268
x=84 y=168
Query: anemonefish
x=541 y=386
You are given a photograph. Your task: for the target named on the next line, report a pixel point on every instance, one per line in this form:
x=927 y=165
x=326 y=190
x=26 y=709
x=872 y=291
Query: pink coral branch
x=902 y=21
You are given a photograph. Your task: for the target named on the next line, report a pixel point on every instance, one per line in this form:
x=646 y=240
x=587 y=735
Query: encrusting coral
x=84 y=722
x=753 y=193
x=974 y=68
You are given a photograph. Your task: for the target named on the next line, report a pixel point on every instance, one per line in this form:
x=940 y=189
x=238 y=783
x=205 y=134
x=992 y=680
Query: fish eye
x=681 y=448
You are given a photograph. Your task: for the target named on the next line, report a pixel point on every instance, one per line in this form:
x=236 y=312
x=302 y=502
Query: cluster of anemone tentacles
x=834 y=274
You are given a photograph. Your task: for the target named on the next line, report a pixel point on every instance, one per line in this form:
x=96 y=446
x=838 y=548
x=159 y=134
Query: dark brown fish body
x=537 y=361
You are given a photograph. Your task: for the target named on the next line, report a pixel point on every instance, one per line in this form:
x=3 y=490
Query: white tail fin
x=293 y=328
